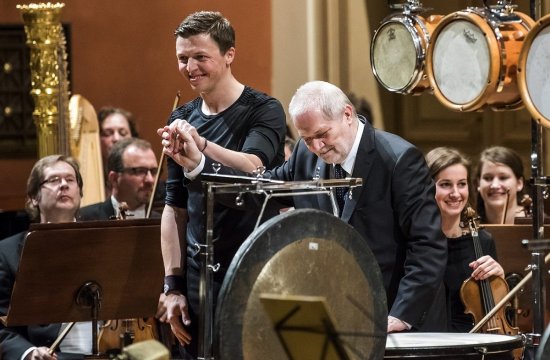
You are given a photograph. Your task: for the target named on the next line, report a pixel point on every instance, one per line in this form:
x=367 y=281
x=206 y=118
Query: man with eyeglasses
x=132 y=167
x=54 y=191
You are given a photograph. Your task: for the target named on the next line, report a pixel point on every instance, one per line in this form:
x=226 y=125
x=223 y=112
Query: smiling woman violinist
x=450 y=171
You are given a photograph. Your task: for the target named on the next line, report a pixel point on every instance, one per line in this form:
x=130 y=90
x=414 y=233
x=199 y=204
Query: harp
x=85 y=147
x=63 y=126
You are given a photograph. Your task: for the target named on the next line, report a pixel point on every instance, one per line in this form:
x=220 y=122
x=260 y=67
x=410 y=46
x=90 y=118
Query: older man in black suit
x=394 y=209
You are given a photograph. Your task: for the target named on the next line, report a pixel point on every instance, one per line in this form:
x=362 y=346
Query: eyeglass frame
x=56 y=180
x=141 y=171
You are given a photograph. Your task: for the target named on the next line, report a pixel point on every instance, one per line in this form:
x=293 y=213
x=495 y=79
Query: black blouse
x=461 y=253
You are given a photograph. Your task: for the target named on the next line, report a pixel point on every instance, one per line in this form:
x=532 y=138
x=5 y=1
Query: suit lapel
x=361 y=169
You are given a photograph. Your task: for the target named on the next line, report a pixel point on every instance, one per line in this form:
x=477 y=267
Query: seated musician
x=450 y=171
x=500 y=185
x=54 y=191
x=115 y=124
x=132 y=166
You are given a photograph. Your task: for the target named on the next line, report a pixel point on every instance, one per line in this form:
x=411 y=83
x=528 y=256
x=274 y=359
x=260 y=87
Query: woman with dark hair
x=500 y=184
x=450 y=171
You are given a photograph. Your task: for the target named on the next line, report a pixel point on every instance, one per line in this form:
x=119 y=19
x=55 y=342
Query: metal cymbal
x=302 y=253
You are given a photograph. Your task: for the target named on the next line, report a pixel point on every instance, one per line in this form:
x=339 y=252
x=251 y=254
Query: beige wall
x=323 y=40
x=123 y=55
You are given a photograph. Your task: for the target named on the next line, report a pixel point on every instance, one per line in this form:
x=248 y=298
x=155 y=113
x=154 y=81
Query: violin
x=479 y=296
x=117 y=334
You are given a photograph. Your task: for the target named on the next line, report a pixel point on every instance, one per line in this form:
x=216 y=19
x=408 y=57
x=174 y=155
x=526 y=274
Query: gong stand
x=214 y=184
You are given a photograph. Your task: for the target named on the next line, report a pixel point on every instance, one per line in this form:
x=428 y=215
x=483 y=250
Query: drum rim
x=494 y=71
x=510 y=342
x=540 y=25
x=418 y=41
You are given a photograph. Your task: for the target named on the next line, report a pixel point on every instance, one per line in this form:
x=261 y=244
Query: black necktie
x=339 y=173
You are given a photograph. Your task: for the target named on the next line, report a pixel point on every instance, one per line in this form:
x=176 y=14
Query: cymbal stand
x=257 y=185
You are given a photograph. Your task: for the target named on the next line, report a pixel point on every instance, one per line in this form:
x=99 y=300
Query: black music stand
x=86 y=271
x=304 y=327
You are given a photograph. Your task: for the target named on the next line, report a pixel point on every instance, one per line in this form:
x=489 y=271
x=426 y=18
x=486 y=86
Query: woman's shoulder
x=485 y=235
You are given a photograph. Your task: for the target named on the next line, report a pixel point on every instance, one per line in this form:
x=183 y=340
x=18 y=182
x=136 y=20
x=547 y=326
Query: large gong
x=306 y=253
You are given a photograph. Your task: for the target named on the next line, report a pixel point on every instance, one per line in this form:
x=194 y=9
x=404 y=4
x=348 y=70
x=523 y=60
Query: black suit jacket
x=396 y=213
x=99 y=211
x=103 y=211
x=14 y=341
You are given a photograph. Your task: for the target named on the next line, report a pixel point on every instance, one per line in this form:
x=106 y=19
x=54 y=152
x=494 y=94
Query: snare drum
x=533 y=74
x=453 y=346
x=398 y=52
x=472 y=60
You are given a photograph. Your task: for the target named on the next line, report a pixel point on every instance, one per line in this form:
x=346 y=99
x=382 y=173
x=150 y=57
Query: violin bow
x=60 y=338
x=161 y=161
x=507 y=298
x=503 y=221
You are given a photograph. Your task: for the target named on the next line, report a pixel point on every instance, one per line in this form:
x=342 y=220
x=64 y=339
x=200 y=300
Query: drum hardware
x=398 y=49
x=503 y=10
x=409 y=6
x=229 y=184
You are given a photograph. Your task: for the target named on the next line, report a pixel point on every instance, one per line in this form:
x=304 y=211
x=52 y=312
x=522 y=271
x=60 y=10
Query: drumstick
x=60 y=338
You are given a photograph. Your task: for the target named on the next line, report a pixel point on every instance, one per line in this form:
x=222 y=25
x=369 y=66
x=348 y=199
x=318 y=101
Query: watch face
x=166 y=288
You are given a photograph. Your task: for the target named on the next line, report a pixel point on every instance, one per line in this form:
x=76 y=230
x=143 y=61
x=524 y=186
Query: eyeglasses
x=140 y=171
x=55 y=181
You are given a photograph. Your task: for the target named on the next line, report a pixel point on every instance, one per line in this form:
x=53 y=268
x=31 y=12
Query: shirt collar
x=349 y=162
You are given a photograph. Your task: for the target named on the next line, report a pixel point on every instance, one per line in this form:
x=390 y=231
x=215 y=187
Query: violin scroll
x=471 y=218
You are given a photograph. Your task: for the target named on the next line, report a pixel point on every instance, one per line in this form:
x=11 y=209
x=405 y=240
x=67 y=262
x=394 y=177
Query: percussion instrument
x=309 y=253
x=451 y=346
x=472 y=60
x=533 y=76
x=398 y=52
